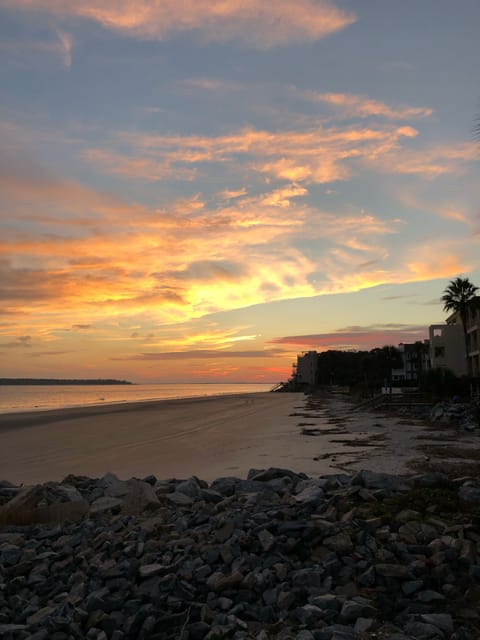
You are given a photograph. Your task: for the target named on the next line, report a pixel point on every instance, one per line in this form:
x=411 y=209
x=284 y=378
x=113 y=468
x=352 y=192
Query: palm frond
x=458 y=295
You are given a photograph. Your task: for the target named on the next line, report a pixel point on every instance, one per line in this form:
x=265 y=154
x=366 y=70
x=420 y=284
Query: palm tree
x=459 y=296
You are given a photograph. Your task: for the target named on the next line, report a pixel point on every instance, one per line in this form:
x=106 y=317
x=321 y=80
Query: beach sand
x=209 y=437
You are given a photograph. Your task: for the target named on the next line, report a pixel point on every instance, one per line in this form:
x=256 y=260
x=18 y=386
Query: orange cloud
x=283 y=197
x=363 y=107
x=314 y=155
x=90 y=258
x=319 y=171
x=79 y=256
x=103 y=264
x=229 y=194
x=225 y=258
x=250 y=21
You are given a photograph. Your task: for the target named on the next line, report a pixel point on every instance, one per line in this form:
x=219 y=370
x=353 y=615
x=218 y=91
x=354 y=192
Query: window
x=439 y=352
x=437 y=333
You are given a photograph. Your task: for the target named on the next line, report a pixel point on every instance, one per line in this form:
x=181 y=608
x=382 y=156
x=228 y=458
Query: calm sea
x=37 y=397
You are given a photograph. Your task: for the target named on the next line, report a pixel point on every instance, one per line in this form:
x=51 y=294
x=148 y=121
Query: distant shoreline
x=59 y=381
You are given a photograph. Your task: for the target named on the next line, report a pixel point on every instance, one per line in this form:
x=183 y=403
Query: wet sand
x=209 y=437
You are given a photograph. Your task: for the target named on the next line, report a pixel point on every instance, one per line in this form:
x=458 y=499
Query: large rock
x=105 y=504
x=230 y=486
x=136 y=495
x=191 y=487
x=310 y=495
x=382 y=481
x=265 y=475
x=50 y=502
x=219 y=582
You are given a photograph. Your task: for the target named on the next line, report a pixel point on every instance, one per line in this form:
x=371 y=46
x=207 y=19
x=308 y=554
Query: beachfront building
x=447 y=347
x=307 y=368
x=415 y=358
x=472 y=330
x=473 y=339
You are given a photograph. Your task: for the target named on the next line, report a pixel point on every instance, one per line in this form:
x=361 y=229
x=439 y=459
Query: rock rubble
x=275 y=556
x=465 y=416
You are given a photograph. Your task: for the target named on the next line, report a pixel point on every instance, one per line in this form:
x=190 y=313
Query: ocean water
x=16 y=398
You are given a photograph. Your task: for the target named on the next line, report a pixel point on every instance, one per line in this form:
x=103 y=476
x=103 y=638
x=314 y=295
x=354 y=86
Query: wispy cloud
x=211 y=84
x=65 y=47
x=252 y=21
x=357 y=106
x=60 y=47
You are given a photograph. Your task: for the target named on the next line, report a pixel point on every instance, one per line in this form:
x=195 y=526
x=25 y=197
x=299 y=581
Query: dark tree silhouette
x=458 y=297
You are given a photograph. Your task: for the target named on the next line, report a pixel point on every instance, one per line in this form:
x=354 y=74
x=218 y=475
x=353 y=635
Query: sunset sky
x=199 y=190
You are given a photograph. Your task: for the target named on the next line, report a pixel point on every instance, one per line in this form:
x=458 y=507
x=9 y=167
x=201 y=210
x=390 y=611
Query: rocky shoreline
x=275 y=556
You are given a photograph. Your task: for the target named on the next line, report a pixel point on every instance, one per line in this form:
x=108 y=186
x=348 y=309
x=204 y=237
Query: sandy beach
x=211 y=437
